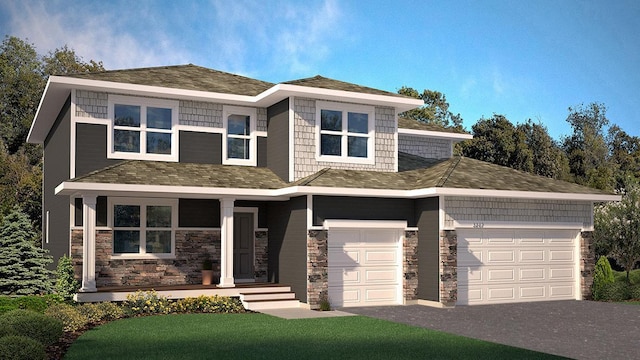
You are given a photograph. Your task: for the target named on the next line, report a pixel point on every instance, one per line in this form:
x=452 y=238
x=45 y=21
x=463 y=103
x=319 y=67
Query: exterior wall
x=56 y=170
x=92 y=104
x=91 y=148
x=587 y=264
x=345 y=207
x=261 y=156
x=427 y=217
x=448 y=267
x=278 y=140
x=288 y=244
x=200 y=147
x=410 y=266
x=261 y=255
x=516 y=210
x=425 y=147
x=317 y=267
x=305 y=162
x=199 y=213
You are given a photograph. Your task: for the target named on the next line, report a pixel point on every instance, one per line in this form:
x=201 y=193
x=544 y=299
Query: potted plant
x=207 y=271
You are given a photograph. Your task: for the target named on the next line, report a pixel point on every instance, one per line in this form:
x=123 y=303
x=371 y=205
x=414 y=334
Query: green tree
x=617 y=227
x=624 y=151
x=587 y=148
x=66 y=284
x=23 y=265
x=65 y=61
x=435 y=110
x=547 y=157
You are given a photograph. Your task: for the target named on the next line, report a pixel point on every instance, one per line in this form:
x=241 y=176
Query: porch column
x=88 y=243
x=226 y=242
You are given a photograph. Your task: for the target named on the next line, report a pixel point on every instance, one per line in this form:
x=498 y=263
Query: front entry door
x=243 y=246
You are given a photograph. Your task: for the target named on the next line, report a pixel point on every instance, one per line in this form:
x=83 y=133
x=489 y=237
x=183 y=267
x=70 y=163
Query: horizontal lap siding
x=200 y=148
x=427 y=215
x=278 y=140
x=343 y=207
x=91 y=148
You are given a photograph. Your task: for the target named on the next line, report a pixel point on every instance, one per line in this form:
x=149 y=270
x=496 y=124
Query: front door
x=243 y=246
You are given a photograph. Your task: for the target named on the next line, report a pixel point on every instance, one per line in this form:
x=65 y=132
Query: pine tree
x=23 y=265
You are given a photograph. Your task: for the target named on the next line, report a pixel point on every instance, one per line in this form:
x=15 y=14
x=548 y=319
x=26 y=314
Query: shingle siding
x=91 y=104
x=517 y=210
x=425 y=147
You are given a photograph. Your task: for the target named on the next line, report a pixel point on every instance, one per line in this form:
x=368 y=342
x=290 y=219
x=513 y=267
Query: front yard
x=259 y=336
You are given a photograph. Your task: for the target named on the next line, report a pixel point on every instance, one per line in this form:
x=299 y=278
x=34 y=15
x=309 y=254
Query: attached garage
x=364 y=263
x=502 y=265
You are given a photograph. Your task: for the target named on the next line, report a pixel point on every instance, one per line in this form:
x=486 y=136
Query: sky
x=521 y=59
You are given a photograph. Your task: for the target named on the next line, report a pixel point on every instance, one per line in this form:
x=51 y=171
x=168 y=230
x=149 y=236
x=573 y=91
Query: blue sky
x=523 y=59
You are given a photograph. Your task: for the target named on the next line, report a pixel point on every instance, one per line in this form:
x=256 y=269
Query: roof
x=416 y=173
x=326 y=83
x=188 y=77
x=406 y=123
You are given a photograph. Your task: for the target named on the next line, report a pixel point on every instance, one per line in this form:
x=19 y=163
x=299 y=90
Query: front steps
x=280 y=297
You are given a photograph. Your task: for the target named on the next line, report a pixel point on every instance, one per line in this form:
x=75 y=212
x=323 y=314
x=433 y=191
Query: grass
x=259 y=336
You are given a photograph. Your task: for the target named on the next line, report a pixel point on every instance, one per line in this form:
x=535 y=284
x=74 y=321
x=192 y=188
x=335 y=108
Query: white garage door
x=509 y=265
x=364 y=267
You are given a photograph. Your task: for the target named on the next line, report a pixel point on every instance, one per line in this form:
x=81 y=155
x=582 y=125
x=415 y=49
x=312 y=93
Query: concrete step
x=271 y=295
x=257 y=305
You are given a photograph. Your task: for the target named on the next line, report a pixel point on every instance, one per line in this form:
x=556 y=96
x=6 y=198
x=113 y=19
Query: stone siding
x=261 y=256
x=92 y=104
x=516 y=210
x=317 y=268
x=448 y=267
x=587 y=264
x=305 y=162
x=410 y=265
x=425 y=147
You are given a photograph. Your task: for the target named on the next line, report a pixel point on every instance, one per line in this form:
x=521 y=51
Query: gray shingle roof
x=188 y=77
x=326 y=83
x=418 y=125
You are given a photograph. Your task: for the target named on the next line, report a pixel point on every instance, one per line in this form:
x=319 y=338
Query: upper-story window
x=142 y=128
x=345 y=132
x=239 y=145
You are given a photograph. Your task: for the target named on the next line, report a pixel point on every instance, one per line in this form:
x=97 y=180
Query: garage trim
x=365 y=224
x=517 y=225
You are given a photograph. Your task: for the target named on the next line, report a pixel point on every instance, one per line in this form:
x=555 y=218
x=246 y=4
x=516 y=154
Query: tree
x=23 y=265
x=617 y=227
x=435 y=110
x=65 y=61
x=624 y=151
x=587 y=148
x=548 y=158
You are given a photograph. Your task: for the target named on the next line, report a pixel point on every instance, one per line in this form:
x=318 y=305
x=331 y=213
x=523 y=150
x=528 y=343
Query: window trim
x=344 y=133
x=143 y=203
x=228 y=110
x=144 y=103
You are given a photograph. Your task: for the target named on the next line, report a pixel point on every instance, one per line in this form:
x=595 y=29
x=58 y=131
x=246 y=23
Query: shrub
x=7 y=304
x=602 y=276
x=145 y=303
x=15 y=347
x=634 y=292
x=37 y=326
x=66 y=284
x=69 y=315
x=616 y=291
x=207 y=304
x=31 y=302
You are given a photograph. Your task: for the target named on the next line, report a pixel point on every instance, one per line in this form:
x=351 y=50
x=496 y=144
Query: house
x=313 y=183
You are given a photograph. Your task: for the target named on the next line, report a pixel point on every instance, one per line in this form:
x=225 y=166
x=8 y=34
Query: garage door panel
x=378 y=295
x=345 y=257
x=504 y=274
x=470 y=257
x=532 y=274
x=344 y=276
x=561 y=291
x=500 y=256
x=470 y=275
x=379 y=276
x=380 y=257
x=556 y=255
x=501 y=294
x=531 y=256
x=561 y=274
x=536 y=292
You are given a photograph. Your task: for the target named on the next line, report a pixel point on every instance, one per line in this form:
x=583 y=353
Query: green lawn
x=259 y=336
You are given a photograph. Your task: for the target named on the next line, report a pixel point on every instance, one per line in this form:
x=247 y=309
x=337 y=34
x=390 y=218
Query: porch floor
x=119 y=293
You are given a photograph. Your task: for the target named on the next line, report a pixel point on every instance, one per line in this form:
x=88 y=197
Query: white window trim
x=253 y=116
x=143 y=103
x=371 y=134
x=143 y=202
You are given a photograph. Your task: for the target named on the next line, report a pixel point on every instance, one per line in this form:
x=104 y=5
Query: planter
x=207 y=277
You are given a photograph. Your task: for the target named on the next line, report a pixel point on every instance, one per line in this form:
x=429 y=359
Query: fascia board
x=521 y=194
x=435 y=134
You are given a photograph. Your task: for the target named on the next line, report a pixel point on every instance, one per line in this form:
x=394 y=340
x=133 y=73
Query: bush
x=37 y=326
x=31 y=302
x=602 y=276
x=634 y=292
x=616 y=291
x=66 y=284
x=111 y=311
x=207 y=304
x=69 y=315
x=14 y=347
x=145 y=303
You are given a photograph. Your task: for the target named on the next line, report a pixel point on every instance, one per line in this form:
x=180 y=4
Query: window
x=143 y=228
x=142 y=128
x=239 y=146
x=345 y=133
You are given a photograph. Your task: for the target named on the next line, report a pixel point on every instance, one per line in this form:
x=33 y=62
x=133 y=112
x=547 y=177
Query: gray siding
x=278 y=140
x=344 y=207
x=200 y=213
x=262 y=152
x=91 y=148
x=200 y=148
x=262 y=210
x=288 y=244
x=427 y=215
x=101 y=211
x=56 y=169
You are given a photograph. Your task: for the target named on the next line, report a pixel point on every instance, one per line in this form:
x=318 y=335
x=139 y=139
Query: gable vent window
x=345 y=132
x=142 y=128
x=239 y=146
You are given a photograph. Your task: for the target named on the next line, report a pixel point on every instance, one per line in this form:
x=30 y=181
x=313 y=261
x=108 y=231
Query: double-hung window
x=345 y=132
x=143 y=227
x=239 y=145
x=142 y=128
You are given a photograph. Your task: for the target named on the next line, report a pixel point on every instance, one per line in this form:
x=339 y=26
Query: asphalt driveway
x=574 y=329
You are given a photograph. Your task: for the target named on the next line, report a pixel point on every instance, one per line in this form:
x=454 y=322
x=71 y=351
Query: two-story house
x=313 y=183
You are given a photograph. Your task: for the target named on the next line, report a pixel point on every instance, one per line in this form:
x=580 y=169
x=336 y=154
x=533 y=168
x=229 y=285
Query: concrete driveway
x=574 y=329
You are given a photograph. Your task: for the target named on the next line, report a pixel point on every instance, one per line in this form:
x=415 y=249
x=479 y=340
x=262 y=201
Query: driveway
x=574 y=329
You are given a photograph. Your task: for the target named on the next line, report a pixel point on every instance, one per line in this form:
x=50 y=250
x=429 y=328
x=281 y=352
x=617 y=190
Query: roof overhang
x=455 y=137
x=71 y=188
x=59 y=88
